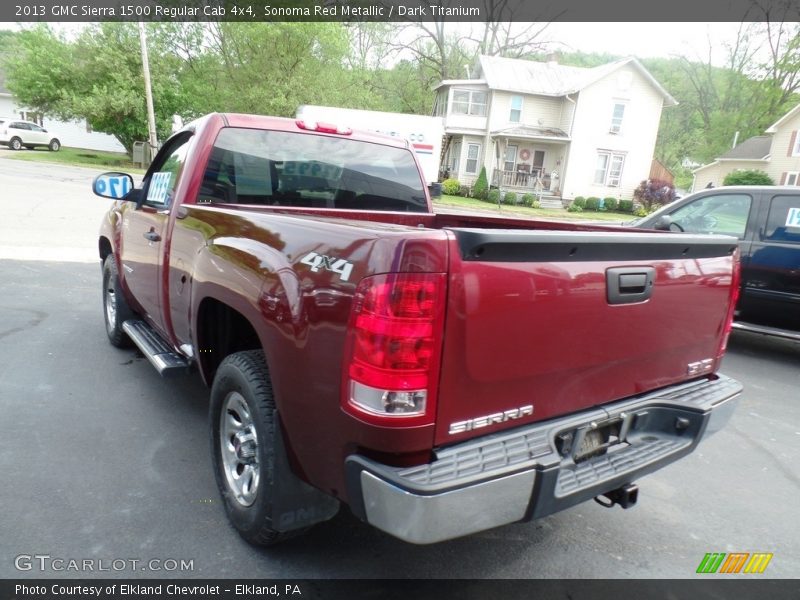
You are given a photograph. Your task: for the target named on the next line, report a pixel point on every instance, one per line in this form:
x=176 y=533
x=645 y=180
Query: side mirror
x=663 y=223
x=113 y=185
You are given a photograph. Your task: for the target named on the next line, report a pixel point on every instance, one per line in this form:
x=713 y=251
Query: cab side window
x=723 y=214
x=166 y=171
x=783 y=222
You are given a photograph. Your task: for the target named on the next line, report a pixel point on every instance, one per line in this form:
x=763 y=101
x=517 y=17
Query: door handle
x=152 y=236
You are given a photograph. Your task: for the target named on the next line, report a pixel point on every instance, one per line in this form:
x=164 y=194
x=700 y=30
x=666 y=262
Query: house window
x=473 y=151
x=796 y=147
x=793 y=178
x=469 y=102
x=511 y=158
x=616 y=117
x=608 y=171
x=516 y=109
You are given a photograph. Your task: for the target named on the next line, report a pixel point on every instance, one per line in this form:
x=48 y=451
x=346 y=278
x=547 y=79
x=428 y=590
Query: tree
x=749 y=177
x=98 y=77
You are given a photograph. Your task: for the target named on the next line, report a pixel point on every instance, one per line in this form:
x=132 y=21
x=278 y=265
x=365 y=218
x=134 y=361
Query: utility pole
x=148 y=90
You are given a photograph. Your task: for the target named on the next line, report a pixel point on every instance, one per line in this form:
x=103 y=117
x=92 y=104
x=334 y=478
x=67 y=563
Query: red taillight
x=393 y=348
x=323 y=127
x=733 y=299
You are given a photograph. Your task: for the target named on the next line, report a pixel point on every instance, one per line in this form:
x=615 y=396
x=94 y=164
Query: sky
x=642 y=40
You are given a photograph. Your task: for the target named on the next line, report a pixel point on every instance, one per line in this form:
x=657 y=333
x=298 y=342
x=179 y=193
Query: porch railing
x=535 y=180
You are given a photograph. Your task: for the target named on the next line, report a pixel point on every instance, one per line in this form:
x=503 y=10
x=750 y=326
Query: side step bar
x=166 y=361
x=764 y=330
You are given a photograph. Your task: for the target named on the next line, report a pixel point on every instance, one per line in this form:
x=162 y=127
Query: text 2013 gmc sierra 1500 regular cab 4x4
x=440 y=374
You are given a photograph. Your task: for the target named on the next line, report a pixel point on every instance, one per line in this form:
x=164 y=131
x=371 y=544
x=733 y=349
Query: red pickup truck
x=440 y=374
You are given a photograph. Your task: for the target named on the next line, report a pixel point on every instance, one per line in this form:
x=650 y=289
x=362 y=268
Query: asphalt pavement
x=102 y=460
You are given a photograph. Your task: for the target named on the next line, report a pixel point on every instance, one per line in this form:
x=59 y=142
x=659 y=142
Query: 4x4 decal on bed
x=329 y=263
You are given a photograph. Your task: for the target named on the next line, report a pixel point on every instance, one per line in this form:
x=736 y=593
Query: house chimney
x=552 y=59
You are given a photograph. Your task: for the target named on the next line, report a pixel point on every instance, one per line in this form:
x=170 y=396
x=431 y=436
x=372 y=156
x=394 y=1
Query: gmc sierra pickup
x=440 y=374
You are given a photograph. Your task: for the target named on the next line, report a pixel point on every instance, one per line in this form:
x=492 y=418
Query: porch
x=522 y=179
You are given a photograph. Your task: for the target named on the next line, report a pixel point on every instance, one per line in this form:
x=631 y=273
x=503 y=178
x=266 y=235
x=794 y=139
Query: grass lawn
x=523 y=211
x=79 y=157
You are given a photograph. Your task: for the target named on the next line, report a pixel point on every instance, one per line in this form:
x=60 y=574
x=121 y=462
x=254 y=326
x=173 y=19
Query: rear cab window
x=278 y=168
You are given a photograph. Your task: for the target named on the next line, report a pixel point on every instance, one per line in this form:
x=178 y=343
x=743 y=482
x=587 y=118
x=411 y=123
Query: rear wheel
x=115 y=308
x=54 y=145
x=243 y=445
x=15 y=143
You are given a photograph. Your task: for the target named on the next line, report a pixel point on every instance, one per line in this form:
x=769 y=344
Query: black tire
x=242 y=380
x=54 y=145
x=115 y=308
x=15 y=143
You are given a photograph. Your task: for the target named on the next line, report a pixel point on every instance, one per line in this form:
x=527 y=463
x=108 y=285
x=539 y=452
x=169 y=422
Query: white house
x=75 y=134
x=778 y=154
x=541 y=126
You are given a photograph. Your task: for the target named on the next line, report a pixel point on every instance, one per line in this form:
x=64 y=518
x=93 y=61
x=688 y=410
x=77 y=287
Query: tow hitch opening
x=626 y=496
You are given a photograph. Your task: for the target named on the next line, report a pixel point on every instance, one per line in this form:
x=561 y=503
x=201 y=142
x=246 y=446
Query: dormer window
x=616 y=117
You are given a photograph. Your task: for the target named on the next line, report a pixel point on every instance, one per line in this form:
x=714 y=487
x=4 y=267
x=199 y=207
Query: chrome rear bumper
x=521 y=474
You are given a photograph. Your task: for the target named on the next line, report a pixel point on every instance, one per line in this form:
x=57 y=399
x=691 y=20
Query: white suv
x=15 y=134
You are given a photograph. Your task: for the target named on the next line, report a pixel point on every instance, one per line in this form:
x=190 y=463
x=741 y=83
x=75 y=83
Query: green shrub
x=528 y=199
x=610 y=203
x=579 y=201
x=751 y=177
x=641 y=212
x=625 y=206
x=574 y=208
x=510 y=198
x=481 y=187
x=451 y=187
x=536 y=204
x=464 y=191
x=593 y=203
x=493 y=196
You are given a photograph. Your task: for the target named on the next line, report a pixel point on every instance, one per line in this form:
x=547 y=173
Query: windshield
x=251 y=166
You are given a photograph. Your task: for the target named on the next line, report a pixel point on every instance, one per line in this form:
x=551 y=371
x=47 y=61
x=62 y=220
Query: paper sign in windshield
x=159 y=187
x=793 y=218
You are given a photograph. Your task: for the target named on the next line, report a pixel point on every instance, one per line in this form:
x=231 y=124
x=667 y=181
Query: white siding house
x=558 y=130
x=777 y=153
x=71 y=133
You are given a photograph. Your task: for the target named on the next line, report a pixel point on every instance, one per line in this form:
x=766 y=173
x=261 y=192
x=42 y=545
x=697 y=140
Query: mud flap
x=298 y=505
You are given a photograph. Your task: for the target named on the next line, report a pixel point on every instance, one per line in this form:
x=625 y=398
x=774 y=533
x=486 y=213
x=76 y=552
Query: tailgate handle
x=626 y=285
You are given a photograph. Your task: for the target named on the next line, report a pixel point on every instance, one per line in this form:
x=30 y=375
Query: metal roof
x=551 y=78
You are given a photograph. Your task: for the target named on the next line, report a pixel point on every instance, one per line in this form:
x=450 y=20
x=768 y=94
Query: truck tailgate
x=564 y=320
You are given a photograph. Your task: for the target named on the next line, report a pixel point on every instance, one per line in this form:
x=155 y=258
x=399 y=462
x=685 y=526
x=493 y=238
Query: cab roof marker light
x=323 y=127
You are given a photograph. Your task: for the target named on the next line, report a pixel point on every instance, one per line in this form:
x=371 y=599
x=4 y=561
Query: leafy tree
x=98 y=78
x=749 y=177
